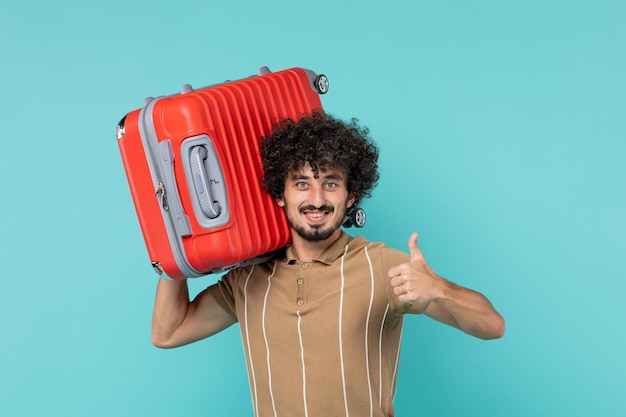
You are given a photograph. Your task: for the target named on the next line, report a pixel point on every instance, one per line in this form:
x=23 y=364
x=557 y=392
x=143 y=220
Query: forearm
x=467 y=310
x=170 y=309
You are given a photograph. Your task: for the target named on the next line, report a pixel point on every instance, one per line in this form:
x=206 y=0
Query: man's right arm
x=177 y=322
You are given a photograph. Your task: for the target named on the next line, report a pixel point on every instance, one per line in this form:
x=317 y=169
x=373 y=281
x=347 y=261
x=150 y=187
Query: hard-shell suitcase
x=194 y=169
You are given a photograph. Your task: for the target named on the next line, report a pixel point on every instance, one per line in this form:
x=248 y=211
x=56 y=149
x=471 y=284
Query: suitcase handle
x=209 y=206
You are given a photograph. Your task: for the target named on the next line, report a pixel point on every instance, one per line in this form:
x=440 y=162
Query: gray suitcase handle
x=205 y=181
x=209 y=206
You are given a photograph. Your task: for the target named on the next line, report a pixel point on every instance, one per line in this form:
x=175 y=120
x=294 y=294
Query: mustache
x=325 y=207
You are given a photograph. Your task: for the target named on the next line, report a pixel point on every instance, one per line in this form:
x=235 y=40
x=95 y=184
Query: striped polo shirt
x=320 y=338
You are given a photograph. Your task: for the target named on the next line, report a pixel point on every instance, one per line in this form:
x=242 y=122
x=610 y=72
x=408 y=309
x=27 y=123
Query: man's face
x=316 y=205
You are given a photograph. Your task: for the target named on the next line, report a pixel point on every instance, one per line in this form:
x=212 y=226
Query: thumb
x=414 y=250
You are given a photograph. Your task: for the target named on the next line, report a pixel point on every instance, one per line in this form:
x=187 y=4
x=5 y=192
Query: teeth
x=315 y=215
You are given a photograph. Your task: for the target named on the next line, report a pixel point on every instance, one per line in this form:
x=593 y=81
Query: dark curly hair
x=324 y=142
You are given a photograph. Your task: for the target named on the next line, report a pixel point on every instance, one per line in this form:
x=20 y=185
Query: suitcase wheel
x=157 y=268
x=355 y=218
x=321 y=84
x=120 y=131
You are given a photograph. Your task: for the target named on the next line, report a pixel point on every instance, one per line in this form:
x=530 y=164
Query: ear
x=351 y=200
x=280 y=202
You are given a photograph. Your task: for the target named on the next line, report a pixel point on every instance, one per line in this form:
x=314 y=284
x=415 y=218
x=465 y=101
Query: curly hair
x=324 y=142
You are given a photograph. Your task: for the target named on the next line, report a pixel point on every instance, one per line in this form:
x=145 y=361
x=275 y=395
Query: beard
x=315 y=233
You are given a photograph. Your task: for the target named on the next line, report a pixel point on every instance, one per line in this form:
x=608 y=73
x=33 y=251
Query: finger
x=399 y=270
x=397 y=281
x=400 y=292
x=395 y=271
x=414 y=250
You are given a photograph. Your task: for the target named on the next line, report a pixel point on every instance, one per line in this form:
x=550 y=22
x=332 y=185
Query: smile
x=315 y=214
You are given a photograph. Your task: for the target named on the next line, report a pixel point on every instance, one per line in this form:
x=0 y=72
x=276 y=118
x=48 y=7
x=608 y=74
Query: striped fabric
x=320 y=338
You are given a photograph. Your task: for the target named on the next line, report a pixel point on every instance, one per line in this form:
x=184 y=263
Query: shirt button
x=300 y=301
x=300 y=281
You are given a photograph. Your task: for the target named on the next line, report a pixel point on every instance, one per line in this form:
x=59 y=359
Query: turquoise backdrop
x=501 y=127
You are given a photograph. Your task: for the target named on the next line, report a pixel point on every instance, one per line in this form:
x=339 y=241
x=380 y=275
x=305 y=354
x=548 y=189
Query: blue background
x=501 y=127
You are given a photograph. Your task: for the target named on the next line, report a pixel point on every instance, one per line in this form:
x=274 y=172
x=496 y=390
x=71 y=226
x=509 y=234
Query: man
x=321 y=324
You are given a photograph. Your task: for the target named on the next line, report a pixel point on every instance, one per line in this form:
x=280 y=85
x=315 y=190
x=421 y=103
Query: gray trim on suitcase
x=160 y=157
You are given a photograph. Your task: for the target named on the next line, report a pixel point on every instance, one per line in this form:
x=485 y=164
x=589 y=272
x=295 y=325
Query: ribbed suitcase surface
x=194 y=169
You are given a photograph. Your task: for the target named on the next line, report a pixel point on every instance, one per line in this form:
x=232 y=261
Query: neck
x=306 y=251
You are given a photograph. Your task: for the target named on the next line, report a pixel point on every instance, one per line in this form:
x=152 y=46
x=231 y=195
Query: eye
x=331 y=185
x=301 y=184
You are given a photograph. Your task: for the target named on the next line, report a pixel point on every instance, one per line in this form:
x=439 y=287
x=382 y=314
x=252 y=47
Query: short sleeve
x=223 y=291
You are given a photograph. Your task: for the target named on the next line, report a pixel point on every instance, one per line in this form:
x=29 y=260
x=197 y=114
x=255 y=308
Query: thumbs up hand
x=415 y=282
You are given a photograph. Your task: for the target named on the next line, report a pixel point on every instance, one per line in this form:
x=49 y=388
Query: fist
x=414 y=282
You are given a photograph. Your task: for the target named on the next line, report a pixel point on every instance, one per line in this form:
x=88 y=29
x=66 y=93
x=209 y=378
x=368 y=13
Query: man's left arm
x=417 y=284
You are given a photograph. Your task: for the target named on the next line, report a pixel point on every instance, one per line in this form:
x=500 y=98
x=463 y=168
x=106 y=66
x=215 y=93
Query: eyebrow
x=298 y=176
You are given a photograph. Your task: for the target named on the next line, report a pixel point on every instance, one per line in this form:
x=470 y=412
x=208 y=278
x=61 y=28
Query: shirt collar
x=331 y=254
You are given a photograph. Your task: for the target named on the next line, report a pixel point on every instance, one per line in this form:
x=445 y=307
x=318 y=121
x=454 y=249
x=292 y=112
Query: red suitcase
x=194 y=169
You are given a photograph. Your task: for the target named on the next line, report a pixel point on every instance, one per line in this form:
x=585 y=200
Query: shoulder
x=377 y=253
x=234 y=282
x=242 y=273
x=359 y=243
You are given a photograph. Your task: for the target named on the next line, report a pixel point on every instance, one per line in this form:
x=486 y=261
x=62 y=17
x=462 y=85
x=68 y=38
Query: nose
x=316 y=196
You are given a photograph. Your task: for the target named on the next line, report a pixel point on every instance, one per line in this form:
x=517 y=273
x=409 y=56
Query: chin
x=314 y=235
